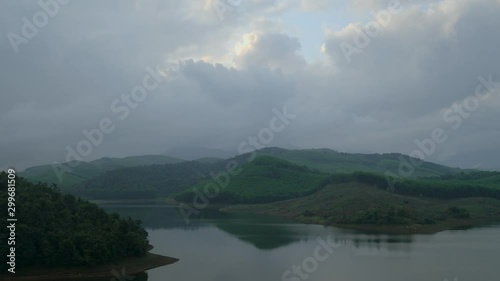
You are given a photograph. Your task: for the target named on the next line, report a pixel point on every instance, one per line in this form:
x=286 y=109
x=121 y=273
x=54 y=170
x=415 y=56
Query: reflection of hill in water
x=260 y=231
x=263 y=232
x=141 y=277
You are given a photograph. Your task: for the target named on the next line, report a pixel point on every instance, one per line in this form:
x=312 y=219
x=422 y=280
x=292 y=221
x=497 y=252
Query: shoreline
x=453 y=224
x=413 y=229
x=125 y=267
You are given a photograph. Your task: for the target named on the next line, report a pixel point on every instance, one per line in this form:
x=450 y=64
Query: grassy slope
x=353 y=204
x=86 y=170
x=265 y=179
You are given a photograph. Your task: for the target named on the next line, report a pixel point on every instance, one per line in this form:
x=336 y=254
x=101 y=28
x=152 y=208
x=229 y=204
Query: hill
x=56 y=230
x=265 y=179
x=85 y=170
x=364 y=206
x=134 y=178
x=153 y=181
x=143 y=182
x=330 y=161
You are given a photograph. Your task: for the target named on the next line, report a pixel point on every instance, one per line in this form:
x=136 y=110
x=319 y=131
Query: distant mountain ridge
x=86 y=170
x=191 y=153
x=331 y=161
x=165 y=180
x=164 y=172
x=313 y=185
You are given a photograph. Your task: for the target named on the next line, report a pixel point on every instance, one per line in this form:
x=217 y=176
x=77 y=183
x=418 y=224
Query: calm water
x=240 y=247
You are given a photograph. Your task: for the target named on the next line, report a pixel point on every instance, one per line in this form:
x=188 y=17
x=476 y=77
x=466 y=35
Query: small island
x=61 y=237
x=379 y=211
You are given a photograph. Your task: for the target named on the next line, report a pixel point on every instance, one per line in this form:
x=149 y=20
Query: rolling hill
x=331 y=161
x=364 y=206
x=143 y=182
x=86 y=170
x=297 y=172
x=265 y=179
x=298 y=183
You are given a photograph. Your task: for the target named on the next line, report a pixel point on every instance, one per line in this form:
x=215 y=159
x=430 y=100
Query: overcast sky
x=356 y=82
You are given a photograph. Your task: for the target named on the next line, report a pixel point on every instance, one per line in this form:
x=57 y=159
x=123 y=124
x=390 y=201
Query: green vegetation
x=144 y=182
x=265 y=179
x=365 y=206
x=56 y=230
x=323 y=160
x=277 y=174
x=147 y=177
x=330 y=161
x=81 y=171
x=363 y=198
x=475 y=184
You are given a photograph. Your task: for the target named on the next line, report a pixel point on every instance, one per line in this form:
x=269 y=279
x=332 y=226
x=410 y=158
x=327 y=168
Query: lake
x=240 y=247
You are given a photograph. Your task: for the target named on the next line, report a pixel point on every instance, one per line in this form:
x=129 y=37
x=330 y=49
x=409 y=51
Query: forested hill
x=154 y=181
x=265 y=179
x=79 y=171
x=56 y=230
x=144 y=182
x=331 y=161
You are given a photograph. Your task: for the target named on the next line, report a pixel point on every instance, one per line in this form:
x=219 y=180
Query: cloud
x=273 y=51
x=230 y=75
x=316 y=5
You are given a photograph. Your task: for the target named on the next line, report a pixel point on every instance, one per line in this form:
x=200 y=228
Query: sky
x=91 y=79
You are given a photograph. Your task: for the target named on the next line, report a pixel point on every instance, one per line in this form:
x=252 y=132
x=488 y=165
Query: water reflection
x=140 y=277
x=262 y=232
x=227 y=247
x=143 y=276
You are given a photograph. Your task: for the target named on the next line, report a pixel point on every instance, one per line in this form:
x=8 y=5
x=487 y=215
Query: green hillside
x=264 y=179
x=364 y=206
x=86 y=170
x=275 y=174
x=56 y=230
x=330 y=161
x=143 y=182
x=323 y=160
x=475 y=184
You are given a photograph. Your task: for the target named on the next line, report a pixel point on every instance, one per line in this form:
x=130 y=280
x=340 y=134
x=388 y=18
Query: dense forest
x=144 y=182
x=57 y=230
x=461 y=185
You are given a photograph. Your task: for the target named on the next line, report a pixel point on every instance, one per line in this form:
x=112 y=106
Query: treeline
x=436 y=188
x=144 y=182
x=56 y=230
x=474 y=175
